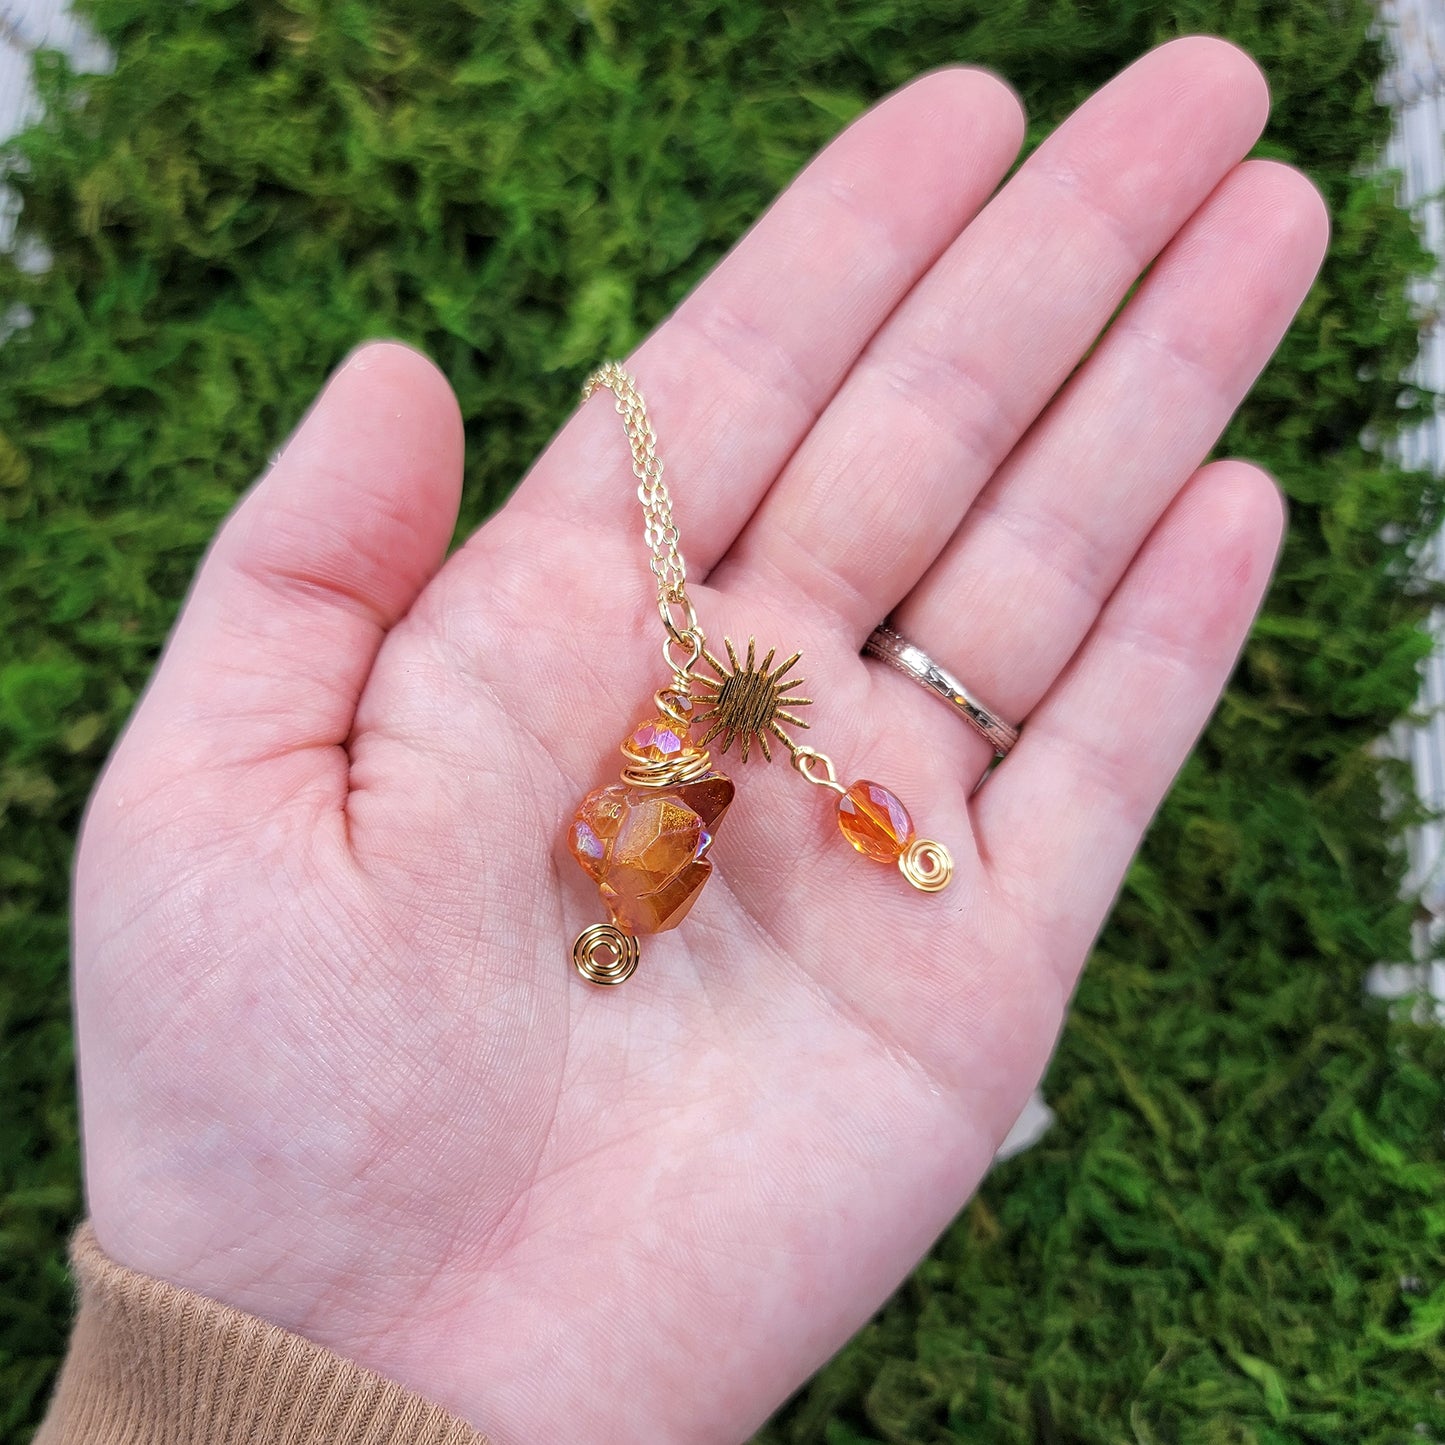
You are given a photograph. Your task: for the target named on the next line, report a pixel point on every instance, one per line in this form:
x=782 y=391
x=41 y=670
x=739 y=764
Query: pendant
x=644 y=841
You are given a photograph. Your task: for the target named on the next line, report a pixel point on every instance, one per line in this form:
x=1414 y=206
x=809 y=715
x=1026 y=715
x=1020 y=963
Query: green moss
x=1235 y=1232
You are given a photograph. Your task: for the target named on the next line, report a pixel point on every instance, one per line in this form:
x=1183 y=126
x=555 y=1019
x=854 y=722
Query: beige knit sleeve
x=152 y=1363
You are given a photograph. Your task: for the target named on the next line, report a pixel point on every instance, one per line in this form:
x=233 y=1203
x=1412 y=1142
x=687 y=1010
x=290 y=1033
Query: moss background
x=1235 y=1232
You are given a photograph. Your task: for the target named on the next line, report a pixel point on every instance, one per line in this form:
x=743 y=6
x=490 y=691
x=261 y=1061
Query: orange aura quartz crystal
x=646 y=847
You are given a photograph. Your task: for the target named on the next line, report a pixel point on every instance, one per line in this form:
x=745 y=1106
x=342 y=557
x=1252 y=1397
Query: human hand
x=336 y=1067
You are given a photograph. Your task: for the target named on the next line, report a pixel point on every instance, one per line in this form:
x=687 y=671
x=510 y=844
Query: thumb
x=319 y=559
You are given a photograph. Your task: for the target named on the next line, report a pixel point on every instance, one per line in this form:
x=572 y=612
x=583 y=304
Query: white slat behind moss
x=1415 y=88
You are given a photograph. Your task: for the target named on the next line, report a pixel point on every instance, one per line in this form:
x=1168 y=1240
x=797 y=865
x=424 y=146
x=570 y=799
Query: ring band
x=901 y=655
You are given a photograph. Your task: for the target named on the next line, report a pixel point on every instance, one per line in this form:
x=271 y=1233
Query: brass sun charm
x=750 y=700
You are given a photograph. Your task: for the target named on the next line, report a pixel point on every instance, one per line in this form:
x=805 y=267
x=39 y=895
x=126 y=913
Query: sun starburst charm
x=749 y=700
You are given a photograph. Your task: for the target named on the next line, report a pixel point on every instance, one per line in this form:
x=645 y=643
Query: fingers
x=737 y=375
x=1022 y=582
x=1061 y=818
x=985 y=339
x=319 y=559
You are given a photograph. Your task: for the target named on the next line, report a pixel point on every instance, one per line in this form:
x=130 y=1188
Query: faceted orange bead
x=874 y=821
x=659 y=739
x=646 y=848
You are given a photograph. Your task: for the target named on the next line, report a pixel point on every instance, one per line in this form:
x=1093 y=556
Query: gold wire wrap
x=682 y=671
x=687 y=767
x=803 y=761
x=604 y=954
x=927 y=865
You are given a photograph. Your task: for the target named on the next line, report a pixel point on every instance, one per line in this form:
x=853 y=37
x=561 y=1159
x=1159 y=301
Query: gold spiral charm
x=605 y=954
x=927 y=865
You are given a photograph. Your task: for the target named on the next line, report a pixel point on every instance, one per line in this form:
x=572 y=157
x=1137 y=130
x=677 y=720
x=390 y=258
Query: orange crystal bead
x=874 y=821
x=659 y=739
x=646 y=848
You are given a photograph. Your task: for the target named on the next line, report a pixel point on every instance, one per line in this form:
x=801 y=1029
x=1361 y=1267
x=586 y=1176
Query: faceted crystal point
x=709 y=797
x=874 y=821
x=595 y=826
x=646 y=848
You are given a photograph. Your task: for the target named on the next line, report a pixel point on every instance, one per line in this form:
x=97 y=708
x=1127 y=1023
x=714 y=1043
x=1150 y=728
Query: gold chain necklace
x=645 y=840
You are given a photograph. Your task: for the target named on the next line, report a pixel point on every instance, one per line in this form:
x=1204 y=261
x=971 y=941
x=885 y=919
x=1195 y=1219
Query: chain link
x=659 y=530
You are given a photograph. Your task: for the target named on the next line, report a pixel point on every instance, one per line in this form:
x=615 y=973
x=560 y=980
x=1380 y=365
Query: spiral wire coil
x=927 y=865
x=605 y=954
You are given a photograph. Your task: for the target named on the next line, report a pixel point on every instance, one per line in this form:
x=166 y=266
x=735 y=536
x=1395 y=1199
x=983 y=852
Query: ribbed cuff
x=152 y=1363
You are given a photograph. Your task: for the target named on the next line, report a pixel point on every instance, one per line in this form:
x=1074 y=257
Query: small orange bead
x=874 y=821
x=659 y=739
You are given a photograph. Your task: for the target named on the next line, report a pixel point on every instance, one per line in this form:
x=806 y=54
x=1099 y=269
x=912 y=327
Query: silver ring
x=901 y=655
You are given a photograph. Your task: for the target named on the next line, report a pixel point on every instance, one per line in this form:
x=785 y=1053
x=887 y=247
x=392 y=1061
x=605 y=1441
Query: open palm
x=337 y=1069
